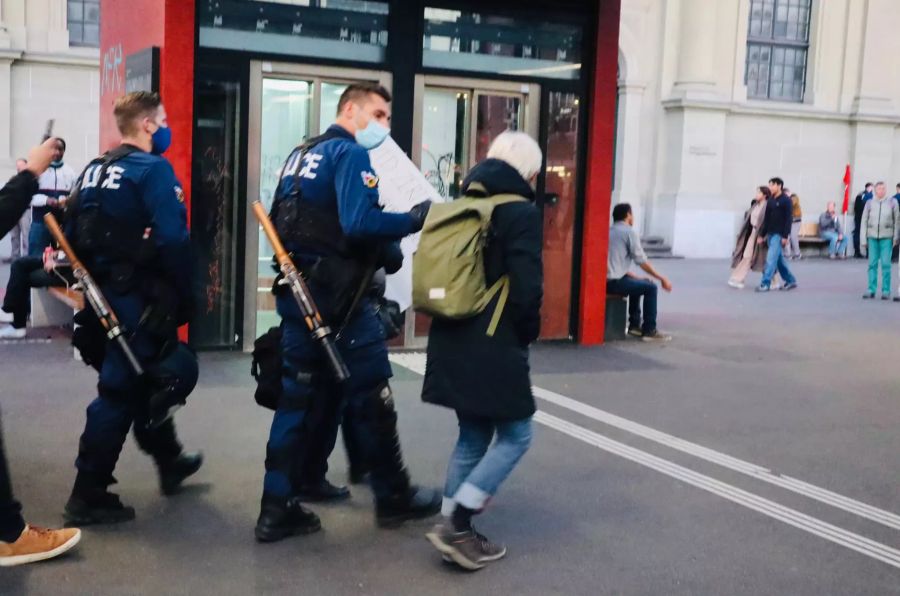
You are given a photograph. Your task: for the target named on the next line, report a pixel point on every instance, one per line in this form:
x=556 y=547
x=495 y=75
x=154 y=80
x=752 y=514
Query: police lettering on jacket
x=337 y=173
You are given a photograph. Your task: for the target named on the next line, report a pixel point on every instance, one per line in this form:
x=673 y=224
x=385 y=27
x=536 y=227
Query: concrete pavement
x=803 y=385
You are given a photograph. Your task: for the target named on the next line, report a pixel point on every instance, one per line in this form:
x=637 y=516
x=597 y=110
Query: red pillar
x=598 y=186
x=176 y=82
x=129 y=27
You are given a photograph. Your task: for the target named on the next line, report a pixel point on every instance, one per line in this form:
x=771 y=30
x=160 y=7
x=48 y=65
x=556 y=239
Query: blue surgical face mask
x=162 y=140
x=56 y=164
x=372 y=135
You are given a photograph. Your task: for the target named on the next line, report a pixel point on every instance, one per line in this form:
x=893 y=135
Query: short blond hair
x=520 y=151
x=131 y=108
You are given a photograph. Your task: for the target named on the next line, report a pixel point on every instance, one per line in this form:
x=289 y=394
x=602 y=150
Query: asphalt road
x=754 y=454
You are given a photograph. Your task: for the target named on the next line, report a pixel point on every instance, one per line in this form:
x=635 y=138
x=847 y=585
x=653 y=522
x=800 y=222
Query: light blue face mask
x=372 y=135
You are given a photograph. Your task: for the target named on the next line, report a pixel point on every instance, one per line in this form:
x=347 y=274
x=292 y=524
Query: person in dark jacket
x=21 y=543
x=776 y=231
x=858 y=205
x=486 y=380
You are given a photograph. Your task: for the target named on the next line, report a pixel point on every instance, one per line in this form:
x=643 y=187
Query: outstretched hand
x=39 y=157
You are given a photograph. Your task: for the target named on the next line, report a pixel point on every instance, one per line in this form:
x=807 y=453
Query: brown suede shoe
x=37 y=544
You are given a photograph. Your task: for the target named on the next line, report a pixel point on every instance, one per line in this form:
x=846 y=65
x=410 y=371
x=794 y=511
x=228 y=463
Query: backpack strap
x=107 y=159
x=501 y=286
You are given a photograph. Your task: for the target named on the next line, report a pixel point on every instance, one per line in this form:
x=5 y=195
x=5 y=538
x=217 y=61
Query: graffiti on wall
x=113 y=71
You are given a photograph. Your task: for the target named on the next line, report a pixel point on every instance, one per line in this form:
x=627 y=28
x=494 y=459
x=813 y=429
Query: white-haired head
x=518 y=150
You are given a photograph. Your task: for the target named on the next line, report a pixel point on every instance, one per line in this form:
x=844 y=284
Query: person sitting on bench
x=24 y=274
x=830 y=229
x=624 y=249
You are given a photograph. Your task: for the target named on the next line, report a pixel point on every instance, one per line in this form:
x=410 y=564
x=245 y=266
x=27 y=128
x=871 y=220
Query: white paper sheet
x=400 y=186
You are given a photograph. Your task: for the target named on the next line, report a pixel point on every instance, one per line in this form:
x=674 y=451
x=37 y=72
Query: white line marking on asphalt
x=792 y=517
x=766 y=475
x=415 y=361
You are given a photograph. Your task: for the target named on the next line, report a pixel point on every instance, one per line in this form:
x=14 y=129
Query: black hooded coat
x=489 y=377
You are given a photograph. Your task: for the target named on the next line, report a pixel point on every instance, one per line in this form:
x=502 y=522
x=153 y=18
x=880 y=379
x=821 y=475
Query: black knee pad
x=380 y=406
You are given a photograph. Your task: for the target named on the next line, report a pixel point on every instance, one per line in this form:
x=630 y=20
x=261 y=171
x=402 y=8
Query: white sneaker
x=6 y=317
x=10 y=332
x=735 y=284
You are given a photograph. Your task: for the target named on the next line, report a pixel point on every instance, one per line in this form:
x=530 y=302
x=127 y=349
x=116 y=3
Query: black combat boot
x=91 y=503
x=280 y=518
x=172 y=474
x=413 y=503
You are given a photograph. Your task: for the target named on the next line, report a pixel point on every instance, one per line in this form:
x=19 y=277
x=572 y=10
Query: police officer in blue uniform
x=128 y=222
x=327 y=214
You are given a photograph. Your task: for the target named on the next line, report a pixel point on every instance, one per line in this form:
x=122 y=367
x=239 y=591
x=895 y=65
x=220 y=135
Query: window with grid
x=777 y=49
x=84 y=23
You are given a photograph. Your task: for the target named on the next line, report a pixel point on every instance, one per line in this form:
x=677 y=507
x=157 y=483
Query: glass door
x=215 y=212
x=289 y=104
x=561 y=118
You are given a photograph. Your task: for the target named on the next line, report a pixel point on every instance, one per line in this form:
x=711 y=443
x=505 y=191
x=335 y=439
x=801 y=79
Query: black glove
x=418 y=213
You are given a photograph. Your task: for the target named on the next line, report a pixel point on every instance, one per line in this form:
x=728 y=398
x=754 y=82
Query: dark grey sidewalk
x=804 y=383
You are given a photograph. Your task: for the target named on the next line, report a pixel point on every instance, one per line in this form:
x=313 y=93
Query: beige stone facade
x=692 y=146
x=42 y=76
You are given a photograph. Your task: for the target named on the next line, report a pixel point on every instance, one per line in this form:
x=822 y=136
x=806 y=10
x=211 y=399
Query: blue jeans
x=635 y=289
x=880 y=252
x=775 y=260
x=477 y=468
x=38 y=238
x=835 y=246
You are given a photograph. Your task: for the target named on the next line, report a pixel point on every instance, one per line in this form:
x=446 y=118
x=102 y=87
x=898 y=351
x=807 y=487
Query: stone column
x=628 y=137
x=690 y=211
x=874 y=115
x=696 y=49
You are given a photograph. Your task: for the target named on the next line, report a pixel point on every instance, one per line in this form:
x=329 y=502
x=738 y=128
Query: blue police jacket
x=337 y=175
x=140 y=191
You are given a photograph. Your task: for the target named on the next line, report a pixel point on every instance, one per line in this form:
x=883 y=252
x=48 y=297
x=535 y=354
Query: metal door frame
x=259 y=70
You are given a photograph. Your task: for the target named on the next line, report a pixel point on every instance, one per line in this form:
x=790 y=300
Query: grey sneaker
x=656 y=335
x=468 y=549
x=635 y=332
x=789 y=286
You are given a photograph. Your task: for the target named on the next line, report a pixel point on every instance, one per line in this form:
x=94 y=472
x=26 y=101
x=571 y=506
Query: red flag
x=846 y=190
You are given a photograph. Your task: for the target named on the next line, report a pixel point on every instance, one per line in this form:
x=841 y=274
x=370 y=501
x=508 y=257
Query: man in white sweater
x=54 y=187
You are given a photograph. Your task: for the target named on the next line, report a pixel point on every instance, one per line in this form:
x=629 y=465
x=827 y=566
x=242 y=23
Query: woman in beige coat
x=748 y=253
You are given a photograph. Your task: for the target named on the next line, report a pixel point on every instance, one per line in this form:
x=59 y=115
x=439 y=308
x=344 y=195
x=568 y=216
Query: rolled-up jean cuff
x=447 y=506
x=471 y=497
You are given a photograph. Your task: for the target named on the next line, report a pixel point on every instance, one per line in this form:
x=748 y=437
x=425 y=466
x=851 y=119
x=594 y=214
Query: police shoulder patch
x=370 y=180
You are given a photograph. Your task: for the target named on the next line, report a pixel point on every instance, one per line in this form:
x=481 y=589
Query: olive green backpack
x=448 y=267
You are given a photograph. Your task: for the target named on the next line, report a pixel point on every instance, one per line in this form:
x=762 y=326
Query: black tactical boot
x=91 y=503
x=323 y=491
x=414 y=503
x=172 y=474
x=279 y=519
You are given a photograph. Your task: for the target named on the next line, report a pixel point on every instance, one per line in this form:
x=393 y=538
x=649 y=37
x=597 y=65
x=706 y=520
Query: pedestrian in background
x=831 y=229
x=879 y=233
x=54 y=186
x=858 y=205
x=748 y=253
x=775 y=232
x=793 y=251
